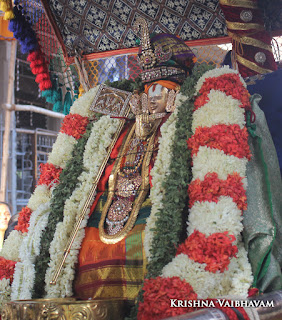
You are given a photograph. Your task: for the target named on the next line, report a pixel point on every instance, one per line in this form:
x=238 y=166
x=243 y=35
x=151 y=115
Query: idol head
x=163 y=56
x=157 y=98
x=5 y=216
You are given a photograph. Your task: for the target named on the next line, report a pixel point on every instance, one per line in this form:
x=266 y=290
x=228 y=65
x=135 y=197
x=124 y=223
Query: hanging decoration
x=24 y=33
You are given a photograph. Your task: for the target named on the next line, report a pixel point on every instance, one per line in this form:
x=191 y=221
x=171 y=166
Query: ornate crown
x=164 y=56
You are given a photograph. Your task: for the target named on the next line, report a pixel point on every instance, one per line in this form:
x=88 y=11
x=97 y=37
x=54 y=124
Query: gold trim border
x=251 y=65
x=239 y=3
x=243 y=26
x=250 y=42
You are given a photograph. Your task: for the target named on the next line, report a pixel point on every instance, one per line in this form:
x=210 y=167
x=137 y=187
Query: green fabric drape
x=262 y=220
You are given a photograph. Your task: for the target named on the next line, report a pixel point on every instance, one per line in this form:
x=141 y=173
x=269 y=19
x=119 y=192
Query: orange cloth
x=5 y=34
x=165 y=83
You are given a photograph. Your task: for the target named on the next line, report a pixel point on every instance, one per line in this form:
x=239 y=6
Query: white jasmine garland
x=62 y=150
x=238 y=278
x=215 y=160
x=220 y=109
x=41 y=195
x=95 y=152
x=159 y=173
x=23 y=281
x=10 y=250
x=219 y=217
x=5 y=292
x=194 y=273
x=217 y=73
x=17 y=282
x=82 y=105
x=29 y=249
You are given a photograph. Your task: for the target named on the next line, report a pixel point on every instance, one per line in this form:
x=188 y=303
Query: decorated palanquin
x=158 y=186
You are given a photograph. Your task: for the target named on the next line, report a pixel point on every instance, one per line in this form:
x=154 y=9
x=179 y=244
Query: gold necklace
x=126 y=211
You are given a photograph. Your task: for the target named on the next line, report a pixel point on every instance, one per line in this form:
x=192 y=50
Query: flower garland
x=24 y=271
x=50 y=174
x=207 y=259
x=158 y=173
x=158 y=293
x=6 y=278
x=95 y=151
x=68 y=182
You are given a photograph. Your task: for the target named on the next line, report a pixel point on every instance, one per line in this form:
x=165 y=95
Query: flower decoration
x=157 y=295
x=74 y=125
x=49 y=174
x=215 y=250
x=230 y=138
x=7 y=268
x=230 y=84
x=212 y=188
x=23 y=221
x=39 y=68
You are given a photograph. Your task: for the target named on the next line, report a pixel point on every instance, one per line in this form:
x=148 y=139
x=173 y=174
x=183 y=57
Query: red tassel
x=41 y=77
x=38 y=69
x=45 y=85
x=34 y=55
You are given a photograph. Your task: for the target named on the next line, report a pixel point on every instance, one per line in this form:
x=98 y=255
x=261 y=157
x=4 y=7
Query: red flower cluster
x=23 y=221
x=39 y=67
x=216 y=250
x=231 y=139
x=211 y=188
x=230 y=84
x=157 y=295
x=48 y=174
x=74 y=125
x=7 y=268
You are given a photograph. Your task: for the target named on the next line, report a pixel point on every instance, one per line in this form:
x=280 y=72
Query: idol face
x=157 y=98
x=5 y=216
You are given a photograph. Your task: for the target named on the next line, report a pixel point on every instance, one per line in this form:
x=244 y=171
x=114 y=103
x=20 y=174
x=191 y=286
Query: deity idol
x=113 y=203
